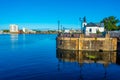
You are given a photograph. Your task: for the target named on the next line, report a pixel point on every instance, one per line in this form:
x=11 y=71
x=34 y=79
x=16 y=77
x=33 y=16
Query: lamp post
x=80 y=19
x=58 y=26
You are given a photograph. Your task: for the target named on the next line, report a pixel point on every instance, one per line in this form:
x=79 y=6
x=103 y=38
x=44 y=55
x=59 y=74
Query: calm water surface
x=34 y=57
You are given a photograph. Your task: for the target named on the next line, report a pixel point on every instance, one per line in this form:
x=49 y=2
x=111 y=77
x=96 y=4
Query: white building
x=88 y=28
x=14 y=28
x=93 y=28
x=1 y=31
x=25 y=30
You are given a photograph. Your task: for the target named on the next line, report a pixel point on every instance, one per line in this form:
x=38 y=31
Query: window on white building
x=90 y=30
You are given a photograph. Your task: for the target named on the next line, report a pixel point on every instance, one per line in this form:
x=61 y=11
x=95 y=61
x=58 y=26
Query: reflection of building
x=14 y=37
x=14 y=28
x=118 y=58
x=87 y=57
x=92 y=65
x=14 y=40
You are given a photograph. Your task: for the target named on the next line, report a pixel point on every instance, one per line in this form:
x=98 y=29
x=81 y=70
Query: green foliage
x=118 y=27
x=110 y=23
x=98 y=32
x=5 y=30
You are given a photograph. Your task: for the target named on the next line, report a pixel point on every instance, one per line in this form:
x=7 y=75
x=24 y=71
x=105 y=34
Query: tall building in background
x=14 y=28
x=25 y=30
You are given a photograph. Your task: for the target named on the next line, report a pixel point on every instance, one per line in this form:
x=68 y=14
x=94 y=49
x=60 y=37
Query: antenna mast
x=58 y=25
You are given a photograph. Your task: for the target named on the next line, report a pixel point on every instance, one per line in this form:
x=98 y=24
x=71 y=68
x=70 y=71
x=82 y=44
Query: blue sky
x=44 y=14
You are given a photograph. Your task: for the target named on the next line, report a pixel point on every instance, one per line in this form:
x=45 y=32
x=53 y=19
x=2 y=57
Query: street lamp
x=80 y=19
x=58 y=26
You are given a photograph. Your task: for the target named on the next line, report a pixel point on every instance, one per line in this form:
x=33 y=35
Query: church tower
x=84 y=23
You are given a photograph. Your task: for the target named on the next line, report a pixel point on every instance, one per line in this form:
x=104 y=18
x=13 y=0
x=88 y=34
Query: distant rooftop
x=91 y=24
x=95 y=24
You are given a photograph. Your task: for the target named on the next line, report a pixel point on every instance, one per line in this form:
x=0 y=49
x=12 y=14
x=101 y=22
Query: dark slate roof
x=91 y=24
x=95 y=24
x=100 y=24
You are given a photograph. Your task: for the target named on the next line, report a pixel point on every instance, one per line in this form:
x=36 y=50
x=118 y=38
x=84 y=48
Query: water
x=34 y=57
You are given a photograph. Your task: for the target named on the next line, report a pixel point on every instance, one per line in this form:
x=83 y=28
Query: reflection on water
x=118 y=58
x=14 y=37
x=27 y=57
x=14 y=40
x=88 y=59
x=34 y=58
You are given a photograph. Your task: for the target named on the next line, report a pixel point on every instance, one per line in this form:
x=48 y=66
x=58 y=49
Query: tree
x=98 y=32
x=110 y=23
x=118 y=27
x=6 y=30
